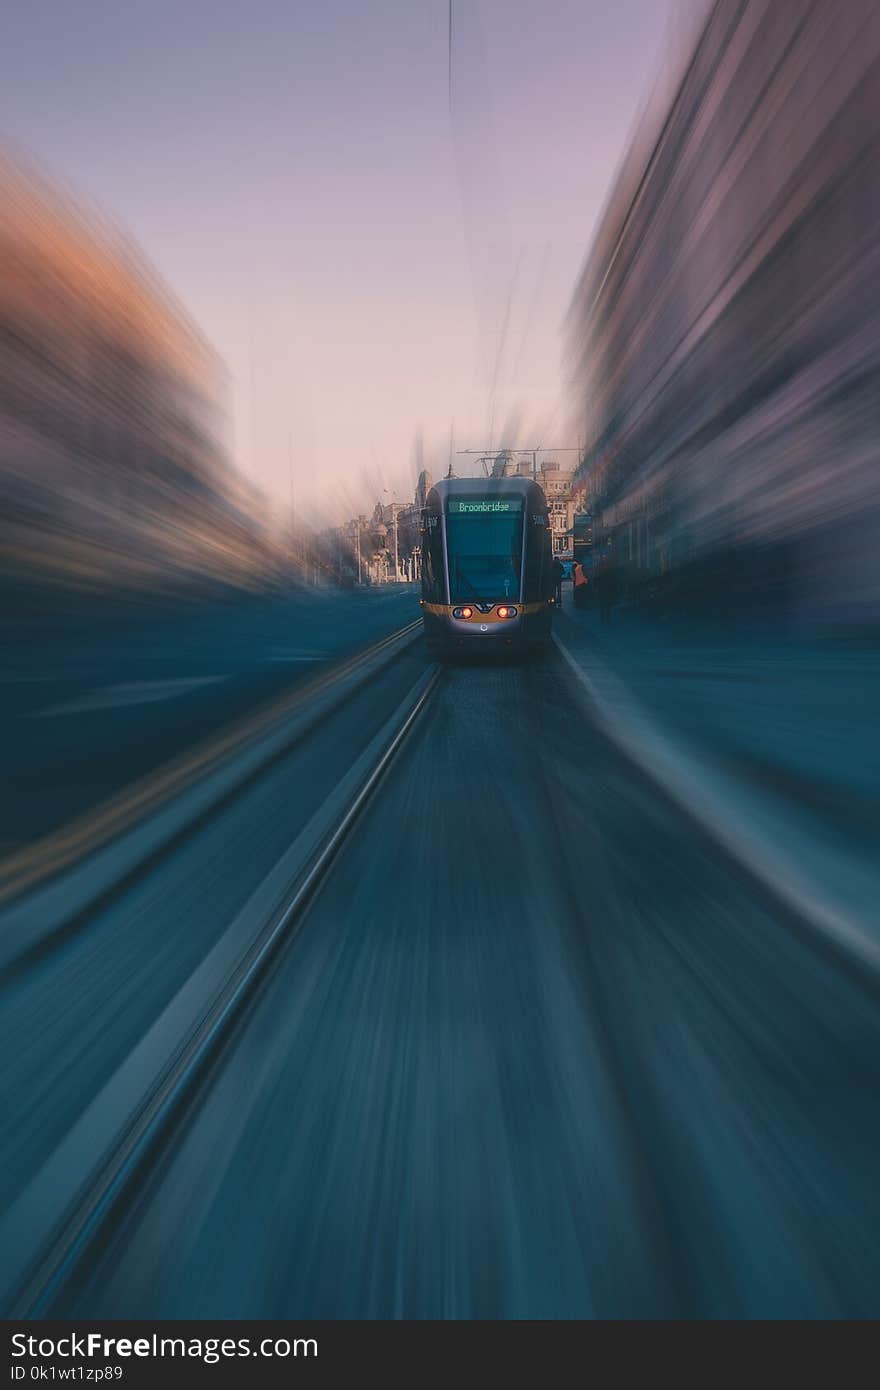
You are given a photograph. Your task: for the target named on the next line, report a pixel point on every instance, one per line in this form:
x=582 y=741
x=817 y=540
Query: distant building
x=112 y=468
x=394 y=515
x=556 y=481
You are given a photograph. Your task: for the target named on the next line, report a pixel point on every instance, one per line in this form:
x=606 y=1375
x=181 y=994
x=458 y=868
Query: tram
x=487 y=583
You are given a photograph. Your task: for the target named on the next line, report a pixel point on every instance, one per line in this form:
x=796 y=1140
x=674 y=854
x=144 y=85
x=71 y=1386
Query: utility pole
x=489 y=453
x=394 y=505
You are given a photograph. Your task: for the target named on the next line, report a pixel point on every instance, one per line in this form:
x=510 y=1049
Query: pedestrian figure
x=558 y=573
x=581 y=583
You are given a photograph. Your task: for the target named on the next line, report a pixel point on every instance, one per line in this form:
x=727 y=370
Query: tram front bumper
x=446 y=633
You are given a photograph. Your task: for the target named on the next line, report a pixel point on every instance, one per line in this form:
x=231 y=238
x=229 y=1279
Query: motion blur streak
x=112 y=472
x=724 y=336
x=620 y=1084
x=584 y=1019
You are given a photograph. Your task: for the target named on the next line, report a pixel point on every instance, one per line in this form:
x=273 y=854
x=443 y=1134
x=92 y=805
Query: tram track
x=549 y=1038
x=58 y=885
x=60 y=1217
x=572 y=1070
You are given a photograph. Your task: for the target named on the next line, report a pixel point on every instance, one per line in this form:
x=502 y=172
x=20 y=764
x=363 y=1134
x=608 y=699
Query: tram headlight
x=462 y=612
x=505 y=612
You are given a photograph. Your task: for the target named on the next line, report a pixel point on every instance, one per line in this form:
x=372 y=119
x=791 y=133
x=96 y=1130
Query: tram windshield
x=484 y=548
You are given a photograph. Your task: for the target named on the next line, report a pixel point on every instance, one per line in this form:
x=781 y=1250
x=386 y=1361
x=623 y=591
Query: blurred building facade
x=113 y=472
x=725 y=333
x=381 y=549
x=557 y=481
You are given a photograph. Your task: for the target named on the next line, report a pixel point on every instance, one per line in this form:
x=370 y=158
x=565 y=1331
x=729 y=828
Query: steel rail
x=177 y=804
x=27 y=868
x=122 y=1171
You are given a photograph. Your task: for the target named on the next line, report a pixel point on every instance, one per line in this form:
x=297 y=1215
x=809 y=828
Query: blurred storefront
x=725 y=334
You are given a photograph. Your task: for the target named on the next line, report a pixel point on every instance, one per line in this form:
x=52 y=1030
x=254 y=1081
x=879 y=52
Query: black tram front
x=486 y=566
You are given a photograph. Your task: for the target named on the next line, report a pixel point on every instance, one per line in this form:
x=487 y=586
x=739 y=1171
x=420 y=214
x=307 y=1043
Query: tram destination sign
x=477 y=506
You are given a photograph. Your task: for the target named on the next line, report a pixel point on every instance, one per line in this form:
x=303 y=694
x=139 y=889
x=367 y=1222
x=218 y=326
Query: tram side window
x=432 y=561
x=538 y=585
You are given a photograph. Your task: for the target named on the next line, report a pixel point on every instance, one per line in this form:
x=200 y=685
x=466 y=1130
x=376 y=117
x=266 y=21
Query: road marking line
x=32 y=868
x=127 y=693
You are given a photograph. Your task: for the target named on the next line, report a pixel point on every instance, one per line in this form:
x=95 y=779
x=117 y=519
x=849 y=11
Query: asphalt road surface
x=539 y=1050
x=92 y=703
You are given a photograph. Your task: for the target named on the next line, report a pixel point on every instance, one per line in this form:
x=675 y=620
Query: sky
x=378 y=255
